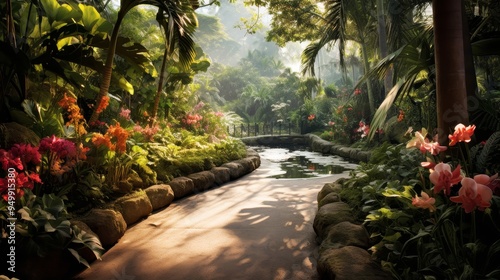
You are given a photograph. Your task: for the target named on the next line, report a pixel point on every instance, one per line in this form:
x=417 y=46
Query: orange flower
x=120 y=135
x=424 y=202
x=66 y=101
x=311 y=117
x=103 y=104
x=461 y=134
x=75 y=118
x=102 y=140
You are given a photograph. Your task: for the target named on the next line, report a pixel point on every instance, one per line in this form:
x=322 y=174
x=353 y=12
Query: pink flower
x=424 y=202
x=428 y=164
x=432 y=147
x=491 y=182
x=421 y=142
x=330 y=123
x=443 y=178
x=125 y=113
x=418 y=140
x=472 y=195
x=461 y=134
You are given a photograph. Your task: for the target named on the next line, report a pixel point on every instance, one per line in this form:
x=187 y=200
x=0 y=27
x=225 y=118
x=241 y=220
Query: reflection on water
x=304 y=164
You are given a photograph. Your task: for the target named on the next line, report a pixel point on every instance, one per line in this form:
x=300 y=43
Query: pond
x=300 y=163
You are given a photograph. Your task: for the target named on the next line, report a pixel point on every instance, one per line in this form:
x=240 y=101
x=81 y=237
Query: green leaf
x=25 y=215
x=78 y=257
x=126 y=86
x=487 y=46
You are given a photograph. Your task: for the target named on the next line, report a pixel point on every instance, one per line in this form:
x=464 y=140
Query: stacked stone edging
x=110 y=224
x=343 y=253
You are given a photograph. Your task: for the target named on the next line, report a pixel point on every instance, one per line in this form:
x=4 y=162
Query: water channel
x=301 y=163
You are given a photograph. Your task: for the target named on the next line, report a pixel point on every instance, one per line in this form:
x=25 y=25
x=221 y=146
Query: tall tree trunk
x=366 y=64
x=382 y=42
x=451 y=43
x=108 y=69
x=160 y=88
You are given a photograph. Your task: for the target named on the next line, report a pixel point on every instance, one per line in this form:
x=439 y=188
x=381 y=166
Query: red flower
x=311 y=117
x=443 y=178
x=9 y=161
x=472 y=195
x=27 y=153
x=61 y=147
x=401 y=116
x=357 y=91
x=461 y=134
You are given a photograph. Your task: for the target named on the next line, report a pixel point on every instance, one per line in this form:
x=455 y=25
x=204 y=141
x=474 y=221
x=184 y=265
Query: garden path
x=252 y=228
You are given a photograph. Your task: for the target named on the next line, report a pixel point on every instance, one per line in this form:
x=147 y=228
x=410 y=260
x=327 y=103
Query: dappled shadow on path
x=253 y=228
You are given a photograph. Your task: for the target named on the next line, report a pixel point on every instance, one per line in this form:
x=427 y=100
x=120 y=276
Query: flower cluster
x=75 y=118
x=148 y=132
x=357 y=91
x=115 y=139
x=474 y=193
x=103 y=104
x=125 y=113
x=311 y=117
x=363 y=128
x=22 y=160
x=192 y=119
x=62 y=154
x=420 y=141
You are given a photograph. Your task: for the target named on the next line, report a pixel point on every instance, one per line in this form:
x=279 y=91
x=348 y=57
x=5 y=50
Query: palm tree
x=179 y=24
x=168 y=7
x=344 y=20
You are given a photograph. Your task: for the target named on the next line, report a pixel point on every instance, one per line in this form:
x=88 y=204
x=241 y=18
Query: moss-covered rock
x=181 y=186
x=134 y=207
x=108 y=224
x=202 y=180
x=329 y=215
x=160 y=195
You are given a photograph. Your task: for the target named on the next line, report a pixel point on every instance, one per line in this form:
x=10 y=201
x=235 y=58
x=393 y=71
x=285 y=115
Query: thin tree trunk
x=382 y=42
x=366 y=64
x=450 y=44
x=108 y=69
x=159 y=89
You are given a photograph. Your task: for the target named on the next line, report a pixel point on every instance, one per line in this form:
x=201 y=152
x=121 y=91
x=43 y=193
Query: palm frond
x=334 y=31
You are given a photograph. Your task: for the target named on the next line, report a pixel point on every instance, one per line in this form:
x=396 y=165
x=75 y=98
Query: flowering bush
x=202 y=120
x=22 y=161
x=423 y=215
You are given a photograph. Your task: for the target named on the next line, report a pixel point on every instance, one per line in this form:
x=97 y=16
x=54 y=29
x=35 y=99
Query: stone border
x=313 y=141
x=344 y=244
x=109 y=224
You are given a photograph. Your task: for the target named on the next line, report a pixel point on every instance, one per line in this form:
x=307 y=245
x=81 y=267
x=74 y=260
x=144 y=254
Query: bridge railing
x=267 y=128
